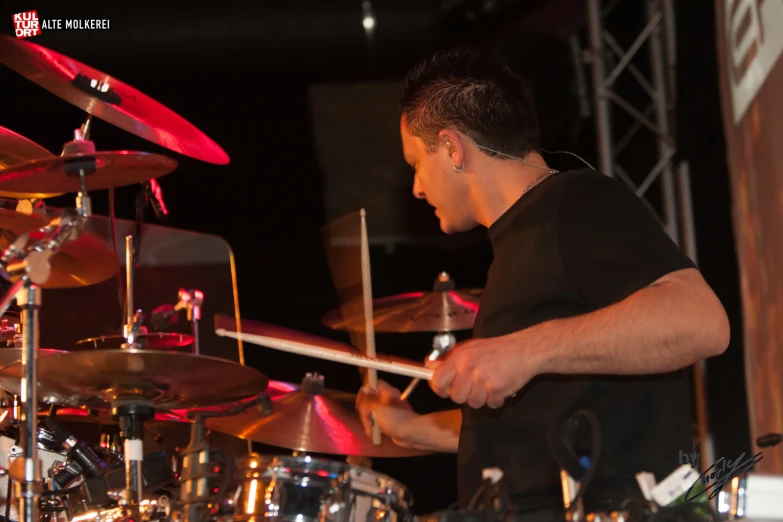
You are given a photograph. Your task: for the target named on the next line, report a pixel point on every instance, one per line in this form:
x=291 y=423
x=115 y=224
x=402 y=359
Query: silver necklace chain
x=537 y=179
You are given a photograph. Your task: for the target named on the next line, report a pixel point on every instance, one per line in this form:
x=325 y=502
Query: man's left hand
x=483 y=372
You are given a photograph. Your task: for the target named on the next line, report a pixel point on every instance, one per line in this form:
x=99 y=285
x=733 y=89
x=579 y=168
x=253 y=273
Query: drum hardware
x=86 y=461
x=27 y=269
x=166 y=316
x=442 y=343
x=191 y=301
x=206 y=473
x=133 y=318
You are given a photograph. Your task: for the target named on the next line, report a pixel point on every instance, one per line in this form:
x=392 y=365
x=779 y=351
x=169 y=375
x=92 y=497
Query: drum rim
x=401 y=494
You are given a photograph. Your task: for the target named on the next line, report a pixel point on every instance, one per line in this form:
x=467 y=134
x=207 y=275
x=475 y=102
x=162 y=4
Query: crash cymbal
x=106 y=169
x=19 y=222
x=84 y=261
x=445 y=309
x=14 y=149
x=312 y=419
x=109 y=99
x=95 y=378
x=148 y=341
x=12 y=356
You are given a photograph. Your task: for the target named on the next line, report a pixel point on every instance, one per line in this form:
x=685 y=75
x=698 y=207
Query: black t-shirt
x=577 y=242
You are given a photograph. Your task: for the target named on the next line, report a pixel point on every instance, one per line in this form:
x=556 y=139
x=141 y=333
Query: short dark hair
x=475 y=93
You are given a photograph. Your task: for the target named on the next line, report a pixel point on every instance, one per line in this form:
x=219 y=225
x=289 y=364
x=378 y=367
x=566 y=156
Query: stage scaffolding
x=607 y=61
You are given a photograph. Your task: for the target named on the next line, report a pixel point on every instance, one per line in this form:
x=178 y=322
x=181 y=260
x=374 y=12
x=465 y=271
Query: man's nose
x=418 y=192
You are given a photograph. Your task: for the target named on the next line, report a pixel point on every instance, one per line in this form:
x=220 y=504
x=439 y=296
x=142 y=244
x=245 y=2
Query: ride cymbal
x=105 y=169
x=310 y=418
x=445 y=309
x=109 y=99
x=96 y=378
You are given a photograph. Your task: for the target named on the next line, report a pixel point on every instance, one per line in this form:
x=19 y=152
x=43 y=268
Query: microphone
x=769 y=440
x=155 y=197
x=78 y=451
x=164 y=317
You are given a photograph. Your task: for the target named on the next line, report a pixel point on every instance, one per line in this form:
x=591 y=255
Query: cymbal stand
x=132 y=412
x=28 y=268
x=81 y=167
x=442 y=343
x=191 y=300
x=133 y=319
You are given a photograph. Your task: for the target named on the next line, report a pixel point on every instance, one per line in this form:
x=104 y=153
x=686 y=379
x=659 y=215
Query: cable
x=595 y=455
x=571 y=153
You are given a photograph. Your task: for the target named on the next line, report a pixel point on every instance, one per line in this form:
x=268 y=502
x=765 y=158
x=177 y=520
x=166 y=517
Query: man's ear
x=453 y=145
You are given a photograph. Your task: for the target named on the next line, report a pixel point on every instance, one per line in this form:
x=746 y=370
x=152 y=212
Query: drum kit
x=135 y=379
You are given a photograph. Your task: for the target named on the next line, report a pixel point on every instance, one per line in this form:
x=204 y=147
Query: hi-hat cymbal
x=310 y=418
x=445 y=311
x=84 y=261
x=96 y=378
x=148 y=341
x=106 y=169
x=109 y=99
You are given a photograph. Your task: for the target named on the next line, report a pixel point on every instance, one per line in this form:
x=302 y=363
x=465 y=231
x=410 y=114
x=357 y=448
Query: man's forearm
x=661 y=328
x=437 y=432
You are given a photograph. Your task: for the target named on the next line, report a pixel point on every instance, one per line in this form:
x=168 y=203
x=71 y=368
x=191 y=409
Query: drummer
x=588 y=303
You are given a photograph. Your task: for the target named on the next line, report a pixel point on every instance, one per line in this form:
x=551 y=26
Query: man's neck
x=502 y=184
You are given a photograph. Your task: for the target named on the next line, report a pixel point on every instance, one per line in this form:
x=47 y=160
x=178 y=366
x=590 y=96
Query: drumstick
x=331 y=354
x=369 y=328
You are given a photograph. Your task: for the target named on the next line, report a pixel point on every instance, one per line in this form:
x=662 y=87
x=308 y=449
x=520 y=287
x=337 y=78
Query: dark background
x=305 y=107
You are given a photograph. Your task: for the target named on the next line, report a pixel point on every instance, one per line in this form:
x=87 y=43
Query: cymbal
x=106 y=169
x=312 y=419
x=148 y=341
x=84 y=261
x=109 y=99
x=19 y=222
x=12 y=356
x=96 y=416
x=438 y=311
x=95 y=378
x=14 y=149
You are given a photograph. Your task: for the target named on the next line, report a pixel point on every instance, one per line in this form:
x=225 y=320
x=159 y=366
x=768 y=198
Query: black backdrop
x=243 y=75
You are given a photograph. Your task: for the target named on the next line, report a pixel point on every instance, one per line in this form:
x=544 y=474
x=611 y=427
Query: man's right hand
x=392 y=413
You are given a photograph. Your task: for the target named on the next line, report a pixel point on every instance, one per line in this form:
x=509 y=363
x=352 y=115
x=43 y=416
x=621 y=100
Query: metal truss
x=611 y=65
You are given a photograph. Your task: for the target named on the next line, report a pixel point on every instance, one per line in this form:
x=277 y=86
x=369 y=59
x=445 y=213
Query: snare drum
x=303 y=489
